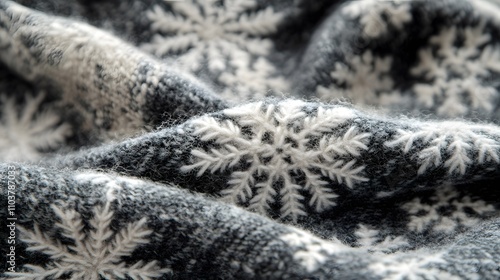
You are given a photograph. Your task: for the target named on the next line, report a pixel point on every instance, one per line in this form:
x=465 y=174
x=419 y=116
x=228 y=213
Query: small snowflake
x=222 y=33
x=111 y=183
x=282 y=143
x=453 y=145
x=94 y=254
x=369 y=239
x=26 y=132
x=455 y=77
x=398 y=267
x=376 y=16
x=253 y=87
x=363 y=77
x=311 y=251
x=445 y=211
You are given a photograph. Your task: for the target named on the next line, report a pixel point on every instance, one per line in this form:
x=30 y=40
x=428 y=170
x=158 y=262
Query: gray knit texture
x=250 y=139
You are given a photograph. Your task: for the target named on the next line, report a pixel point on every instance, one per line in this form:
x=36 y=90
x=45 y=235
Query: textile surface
x=250 y=139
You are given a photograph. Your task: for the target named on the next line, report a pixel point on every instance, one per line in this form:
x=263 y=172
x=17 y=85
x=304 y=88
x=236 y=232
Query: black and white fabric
x=250 y=139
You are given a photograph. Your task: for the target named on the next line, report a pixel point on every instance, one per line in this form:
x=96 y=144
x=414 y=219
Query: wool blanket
x=250 y=139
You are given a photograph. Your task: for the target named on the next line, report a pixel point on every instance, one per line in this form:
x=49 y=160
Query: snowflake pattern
x=455 y=74
x=94 y=254
x=311 y=251
x=445 y=211
x=369 y=239
x=229 y=35
x=449 y=144
x=253 y=77
x=25 y=133
x=399 y=267
x=363 y=78
x=273 y=145
x=376 y=16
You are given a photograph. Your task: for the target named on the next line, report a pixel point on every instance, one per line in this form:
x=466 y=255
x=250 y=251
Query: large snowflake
x=445 y=211
x=453 y=145
x=360 y=80
x=456 y=68
x=25 y=132
x=270 y=146
x=94 y=254
x=376 y=16
x=228 y=35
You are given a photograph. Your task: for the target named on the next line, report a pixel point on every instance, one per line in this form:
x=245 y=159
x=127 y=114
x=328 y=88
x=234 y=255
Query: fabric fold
x=116 y=89
x=150 y=217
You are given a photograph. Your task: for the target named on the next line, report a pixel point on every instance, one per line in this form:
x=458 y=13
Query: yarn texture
x=250 y=139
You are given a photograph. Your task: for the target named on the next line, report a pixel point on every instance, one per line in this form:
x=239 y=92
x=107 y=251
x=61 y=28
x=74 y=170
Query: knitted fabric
x=250 y=139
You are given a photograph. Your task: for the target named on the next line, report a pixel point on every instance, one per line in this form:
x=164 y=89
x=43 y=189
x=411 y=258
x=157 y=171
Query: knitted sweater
x=250 y=139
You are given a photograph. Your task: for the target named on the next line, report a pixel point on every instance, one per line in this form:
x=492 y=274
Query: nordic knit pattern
x=250 y=139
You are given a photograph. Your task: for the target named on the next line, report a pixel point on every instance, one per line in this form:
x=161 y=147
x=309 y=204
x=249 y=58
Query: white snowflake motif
x=371 y=14
x=369 y=239
x=401 y=267
x=113 y=184
x=253 y=87
x=95 y=254
x=445 y=211
x=282 y=141
x=25 y=133
x=223 y=33
x=455 y=74
x=450 y=144
x=363 y=77
x=313 y=251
